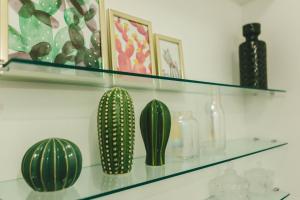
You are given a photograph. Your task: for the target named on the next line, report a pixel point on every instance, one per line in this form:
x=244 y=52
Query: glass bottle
x=184 y=137
x=215 y=139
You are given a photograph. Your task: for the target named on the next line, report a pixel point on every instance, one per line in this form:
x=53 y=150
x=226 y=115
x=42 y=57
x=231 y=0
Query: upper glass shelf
x=93 y=183
x=33 y=71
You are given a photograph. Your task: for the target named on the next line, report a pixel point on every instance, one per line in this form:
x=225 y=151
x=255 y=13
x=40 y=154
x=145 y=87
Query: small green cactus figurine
x=52 y=165
x=155 y=123
x=116 y=128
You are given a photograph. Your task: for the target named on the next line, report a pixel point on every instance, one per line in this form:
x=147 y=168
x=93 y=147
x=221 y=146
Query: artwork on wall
x=131 y=44
x=62 y=32
x=3 y=31
x=169 y=55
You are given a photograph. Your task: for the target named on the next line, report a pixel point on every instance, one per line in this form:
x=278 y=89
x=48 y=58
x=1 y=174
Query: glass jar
x=184 y=137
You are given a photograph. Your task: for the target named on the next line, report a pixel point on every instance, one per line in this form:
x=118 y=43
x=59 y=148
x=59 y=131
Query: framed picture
x=3 y=31
x=169 y=56
x=63 y=32
x=131 y=44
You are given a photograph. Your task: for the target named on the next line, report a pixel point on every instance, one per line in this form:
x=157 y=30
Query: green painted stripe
x=163 y=132
x=30 y=166
x=76 y=165
x=41 y=166
x=67 y=163
x=54 y=164
x=153 y=125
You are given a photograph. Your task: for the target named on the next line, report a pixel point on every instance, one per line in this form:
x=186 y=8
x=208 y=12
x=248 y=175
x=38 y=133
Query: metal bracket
x=2 y=67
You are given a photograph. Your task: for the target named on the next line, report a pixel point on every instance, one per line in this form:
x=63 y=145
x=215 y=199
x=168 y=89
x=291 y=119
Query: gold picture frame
x=3 y=31
x=120 y=61
x=97 y=24
x=160 y=61
x=104 y=38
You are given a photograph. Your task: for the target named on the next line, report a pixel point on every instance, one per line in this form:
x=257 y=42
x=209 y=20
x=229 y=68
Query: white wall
x=30 y=112
x=211 y=33
x=209 y=30
x=280 y=118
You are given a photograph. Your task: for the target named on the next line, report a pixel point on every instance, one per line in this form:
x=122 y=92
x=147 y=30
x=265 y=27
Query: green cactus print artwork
x=56 y=31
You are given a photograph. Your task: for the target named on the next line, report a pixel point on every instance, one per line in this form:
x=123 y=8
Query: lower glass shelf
x=94 y=183
x=272 y=195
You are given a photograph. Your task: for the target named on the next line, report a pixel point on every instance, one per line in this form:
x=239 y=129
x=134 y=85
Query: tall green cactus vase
x=116 y=128
x=52 y=165
x=155 y=124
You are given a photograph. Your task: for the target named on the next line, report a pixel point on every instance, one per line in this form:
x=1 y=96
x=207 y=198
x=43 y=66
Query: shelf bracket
x=1 y=69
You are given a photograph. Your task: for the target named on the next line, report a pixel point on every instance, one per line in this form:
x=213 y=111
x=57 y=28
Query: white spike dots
x=116 y=131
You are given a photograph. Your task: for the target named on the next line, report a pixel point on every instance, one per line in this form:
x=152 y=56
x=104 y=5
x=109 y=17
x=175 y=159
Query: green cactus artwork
x=155 y=124
x=56 y=31
x=51 y=165
x=116 y=129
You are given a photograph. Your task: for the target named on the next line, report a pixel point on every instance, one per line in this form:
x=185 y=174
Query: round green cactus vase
x=116 y=128
x=155 y=124
x=52 y=165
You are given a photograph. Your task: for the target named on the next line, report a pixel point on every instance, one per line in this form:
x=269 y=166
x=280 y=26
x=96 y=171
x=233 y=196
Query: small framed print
x=69 y=32
x=3 y=31
x=169 y=56
x=131 y=44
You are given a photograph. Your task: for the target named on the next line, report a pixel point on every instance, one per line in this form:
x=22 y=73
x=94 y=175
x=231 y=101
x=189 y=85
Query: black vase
x=253 y=58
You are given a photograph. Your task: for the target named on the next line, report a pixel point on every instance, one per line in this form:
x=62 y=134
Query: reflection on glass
x=184 y=139
x=154 y=172
x=70 y=193
x=115 y=181
x=229 y=186
x=105 y=182
x=261 y=181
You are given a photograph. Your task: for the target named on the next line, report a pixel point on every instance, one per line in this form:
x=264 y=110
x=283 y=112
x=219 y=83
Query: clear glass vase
x=184 y=139
x=215 y=137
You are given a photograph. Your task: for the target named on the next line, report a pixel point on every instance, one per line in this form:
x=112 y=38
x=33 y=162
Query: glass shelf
x=33 y=71
x=272 y=195
x=93 y=183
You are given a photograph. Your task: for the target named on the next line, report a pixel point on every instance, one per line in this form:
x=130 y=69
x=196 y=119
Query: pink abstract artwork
x=133 y=50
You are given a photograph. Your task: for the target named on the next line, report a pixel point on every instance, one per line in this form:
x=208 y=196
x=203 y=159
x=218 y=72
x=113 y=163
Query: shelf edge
x=181 y=173
x=47 y=64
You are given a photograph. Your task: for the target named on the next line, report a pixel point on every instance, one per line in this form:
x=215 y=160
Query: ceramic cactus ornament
x=52 y=165
x=155 y=124
x=116 y=128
